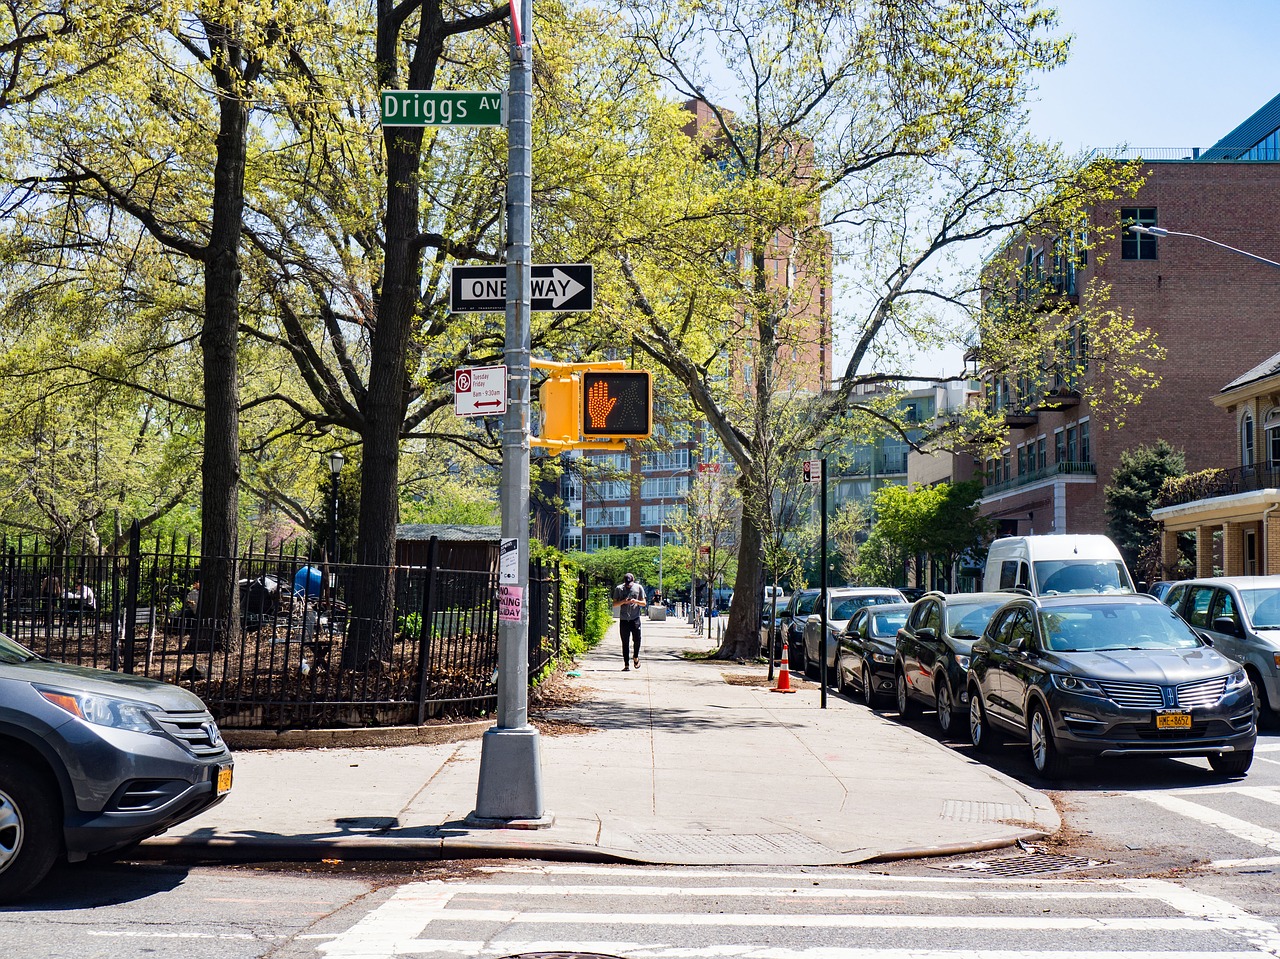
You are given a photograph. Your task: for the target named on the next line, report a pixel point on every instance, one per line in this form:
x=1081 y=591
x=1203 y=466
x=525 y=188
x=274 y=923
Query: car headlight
x=962 y=662
x=885 y=658
x=1237 y=680
x=103 y=710
x=1076 y=684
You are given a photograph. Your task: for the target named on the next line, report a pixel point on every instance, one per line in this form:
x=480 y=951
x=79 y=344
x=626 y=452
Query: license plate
x=1173 y=721
x=224 y=780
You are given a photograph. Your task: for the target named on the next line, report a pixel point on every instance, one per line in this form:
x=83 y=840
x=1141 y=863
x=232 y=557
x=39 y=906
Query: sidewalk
x=681 y=762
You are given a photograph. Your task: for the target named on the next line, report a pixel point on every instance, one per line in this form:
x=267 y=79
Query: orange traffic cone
x=784 y=677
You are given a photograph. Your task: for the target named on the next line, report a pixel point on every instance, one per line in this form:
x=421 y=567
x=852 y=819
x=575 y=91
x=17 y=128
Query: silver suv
x=1240 y=615
x=92 y=761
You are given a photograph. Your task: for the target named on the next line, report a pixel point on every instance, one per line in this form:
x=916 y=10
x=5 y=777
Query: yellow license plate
x=224 y=779
x=1173 y=721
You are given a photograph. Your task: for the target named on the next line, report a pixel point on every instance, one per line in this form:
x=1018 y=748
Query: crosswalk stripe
x=786 y=892
x=788 y=879
x=1240 y=828
x=650 y=950
x=1264 y=935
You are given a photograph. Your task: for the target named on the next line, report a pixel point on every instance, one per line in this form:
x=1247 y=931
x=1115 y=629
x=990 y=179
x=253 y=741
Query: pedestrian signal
x=617 y=404
x=559 y=398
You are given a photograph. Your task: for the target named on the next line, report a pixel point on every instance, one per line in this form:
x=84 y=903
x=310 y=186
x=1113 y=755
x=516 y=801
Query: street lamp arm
x=1159 y=231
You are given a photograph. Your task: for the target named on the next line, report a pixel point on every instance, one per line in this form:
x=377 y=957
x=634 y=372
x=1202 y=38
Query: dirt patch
x=558 y=691
x=759 y=679
x=551 y=726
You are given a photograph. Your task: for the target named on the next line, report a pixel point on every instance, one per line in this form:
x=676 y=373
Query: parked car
x=912 y=593
x=791 y=626
x=1115 y=675
x=1161 y=588
x=842 y=603
x=931 y=654
x=1240 y=615
x=864 y=660
x=92 y=761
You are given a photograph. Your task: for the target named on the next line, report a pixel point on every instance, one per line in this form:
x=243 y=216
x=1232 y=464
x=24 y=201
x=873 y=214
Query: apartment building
x=1213 y=311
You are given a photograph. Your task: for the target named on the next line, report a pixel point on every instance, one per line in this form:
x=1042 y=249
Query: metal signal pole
x=510 y=785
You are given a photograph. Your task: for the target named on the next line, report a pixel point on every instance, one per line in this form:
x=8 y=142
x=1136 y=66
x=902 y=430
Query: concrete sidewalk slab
x=680 y=762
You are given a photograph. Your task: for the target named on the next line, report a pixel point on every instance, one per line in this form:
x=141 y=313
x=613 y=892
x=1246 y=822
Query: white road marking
x=1261 y=934
x=785 y=892
x=790 y=880
x=651 y=950
x=1240 y=828
x=1267 y=748
x=398 y=921
x=1244 y=863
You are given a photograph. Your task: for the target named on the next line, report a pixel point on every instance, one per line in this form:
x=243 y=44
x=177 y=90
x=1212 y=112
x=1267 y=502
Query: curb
x=340 y=738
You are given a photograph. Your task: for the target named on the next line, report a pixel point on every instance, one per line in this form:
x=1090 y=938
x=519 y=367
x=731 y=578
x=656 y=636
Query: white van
x=1052 y=564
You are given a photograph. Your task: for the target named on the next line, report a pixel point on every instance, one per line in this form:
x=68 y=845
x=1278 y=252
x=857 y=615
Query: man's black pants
x=631 y=627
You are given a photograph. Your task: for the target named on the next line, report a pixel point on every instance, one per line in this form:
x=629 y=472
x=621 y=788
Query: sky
x=1151 y=73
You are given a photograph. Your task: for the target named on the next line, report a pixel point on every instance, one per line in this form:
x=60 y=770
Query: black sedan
x=1117 y=675
x=864 y=660
x=931 y=656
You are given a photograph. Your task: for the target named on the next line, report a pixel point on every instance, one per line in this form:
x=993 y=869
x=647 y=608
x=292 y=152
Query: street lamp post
x=336 y=459
x=1159 y=231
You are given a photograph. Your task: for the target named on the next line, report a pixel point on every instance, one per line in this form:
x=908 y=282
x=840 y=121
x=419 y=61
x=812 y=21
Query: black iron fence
x=305 y=651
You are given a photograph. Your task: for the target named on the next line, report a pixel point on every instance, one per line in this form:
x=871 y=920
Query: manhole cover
x=562 y=955
x=1034 y=865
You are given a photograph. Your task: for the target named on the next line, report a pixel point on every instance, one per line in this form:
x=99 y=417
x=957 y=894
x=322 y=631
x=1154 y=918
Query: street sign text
x=556 y=287
x=441 y=108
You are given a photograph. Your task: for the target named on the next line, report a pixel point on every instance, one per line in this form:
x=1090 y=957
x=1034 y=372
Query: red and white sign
x=709 y=467
x=704 y=550
x=813 y=471
x=480 y=391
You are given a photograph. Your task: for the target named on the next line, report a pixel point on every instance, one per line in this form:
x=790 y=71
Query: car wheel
x=837 y=679
x=810 y=667
x=1232 y=764
x=907 y=707
x=868 y=688
x=1045 y=757
x=980 y=733
x=946 y=707
x=30 y=837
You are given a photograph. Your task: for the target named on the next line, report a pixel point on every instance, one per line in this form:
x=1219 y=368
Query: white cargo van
x=1051 y=564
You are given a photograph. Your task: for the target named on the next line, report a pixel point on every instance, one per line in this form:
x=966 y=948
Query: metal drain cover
x=1034 y=865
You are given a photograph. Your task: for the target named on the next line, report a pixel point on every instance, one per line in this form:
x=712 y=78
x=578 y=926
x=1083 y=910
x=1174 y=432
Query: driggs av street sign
x=441 y=108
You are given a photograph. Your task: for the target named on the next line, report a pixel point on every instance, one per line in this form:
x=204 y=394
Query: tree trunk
x=742 y=639
x=220 y=468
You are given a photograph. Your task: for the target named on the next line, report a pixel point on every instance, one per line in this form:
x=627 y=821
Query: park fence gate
x=306 y=651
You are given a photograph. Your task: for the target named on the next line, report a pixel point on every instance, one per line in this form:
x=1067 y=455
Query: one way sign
x=557 y=287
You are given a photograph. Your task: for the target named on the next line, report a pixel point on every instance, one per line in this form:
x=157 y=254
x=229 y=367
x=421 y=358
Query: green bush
x=599 y=616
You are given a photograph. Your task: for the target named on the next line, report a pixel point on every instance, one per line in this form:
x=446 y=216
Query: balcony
x=1035 y=476
x=1226 y=482
x=1060 y=398
x=1020 y=417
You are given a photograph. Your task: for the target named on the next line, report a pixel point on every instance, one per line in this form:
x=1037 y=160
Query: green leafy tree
x=1133 y=493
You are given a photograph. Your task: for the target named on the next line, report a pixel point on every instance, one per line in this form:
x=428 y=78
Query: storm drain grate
x=1037 y=864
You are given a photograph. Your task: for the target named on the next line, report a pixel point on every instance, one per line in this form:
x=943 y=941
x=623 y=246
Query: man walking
x=628 y=599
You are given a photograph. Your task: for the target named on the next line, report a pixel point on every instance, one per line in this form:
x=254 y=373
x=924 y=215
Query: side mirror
x=1208 y=640
x=926 y=634
x=1019 y=646
x=1226 y=624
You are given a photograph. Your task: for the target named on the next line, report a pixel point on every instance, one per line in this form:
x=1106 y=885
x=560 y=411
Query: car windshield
x=846 y=607
x=887 y=624
x=968 y=620
x=1097 y=627
x=11 y=653
x=1081 y=576
x=1263 y=606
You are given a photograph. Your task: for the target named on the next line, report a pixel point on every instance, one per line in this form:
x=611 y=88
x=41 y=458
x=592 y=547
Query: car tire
x=946 y=703
x=810 y=667
x=1045 y=758
x=30 y=827
x=869 y=697
x=907 y=707
x=981 y=734
x=1231 y=764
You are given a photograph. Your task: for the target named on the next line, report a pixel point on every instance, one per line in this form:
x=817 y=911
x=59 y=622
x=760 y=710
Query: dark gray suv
x=1115 y=675
x=92 y=761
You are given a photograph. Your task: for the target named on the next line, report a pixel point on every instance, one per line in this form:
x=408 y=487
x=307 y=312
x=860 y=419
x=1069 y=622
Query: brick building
x=1214 y=312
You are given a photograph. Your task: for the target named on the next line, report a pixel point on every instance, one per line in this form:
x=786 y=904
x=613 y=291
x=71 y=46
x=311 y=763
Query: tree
x=875 y=135
x=1132 y=494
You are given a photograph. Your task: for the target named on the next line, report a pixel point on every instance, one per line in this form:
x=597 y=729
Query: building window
x=1022 y=461
x=1042 y=446
x=666 y=460
x=1086 y=450
x=662 y=515
x=1137 y=246
x=609 y=516
x=1246 y=440
x=1059 y=447
x=1272 y=426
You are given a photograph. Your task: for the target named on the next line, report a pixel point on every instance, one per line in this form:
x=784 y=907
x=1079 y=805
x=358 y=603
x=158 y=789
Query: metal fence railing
x=306 y=651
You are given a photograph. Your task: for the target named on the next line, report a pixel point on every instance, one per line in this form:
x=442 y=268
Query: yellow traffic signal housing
x=616 y=404
x=560 y=408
